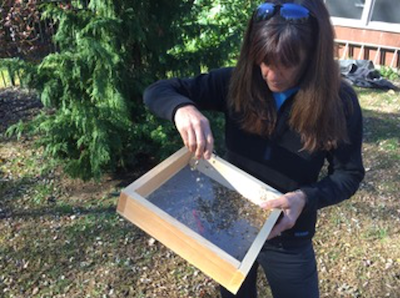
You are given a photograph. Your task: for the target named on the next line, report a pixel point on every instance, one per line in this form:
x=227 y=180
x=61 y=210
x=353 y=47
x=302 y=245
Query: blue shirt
x=280 y=97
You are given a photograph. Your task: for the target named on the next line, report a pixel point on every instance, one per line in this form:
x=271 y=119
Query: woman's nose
x=270 y=72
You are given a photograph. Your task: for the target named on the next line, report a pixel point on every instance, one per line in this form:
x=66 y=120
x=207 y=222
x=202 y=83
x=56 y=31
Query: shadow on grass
x=380 y=126
x=384 y=211
x=65 y=210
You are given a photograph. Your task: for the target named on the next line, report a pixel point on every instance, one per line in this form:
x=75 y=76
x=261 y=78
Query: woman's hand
x=195 y=131
x=292 y=204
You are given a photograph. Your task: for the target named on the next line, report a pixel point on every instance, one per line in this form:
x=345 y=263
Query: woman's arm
x=346 y=170
x=180 y=100
x=205 y=91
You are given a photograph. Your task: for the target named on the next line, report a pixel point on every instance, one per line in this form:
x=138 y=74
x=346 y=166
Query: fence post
x=4 y=79
x=11 y=75
x=19 y=78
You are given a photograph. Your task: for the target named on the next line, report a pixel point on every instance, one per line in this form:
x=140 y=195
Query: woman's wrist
x=303 y=196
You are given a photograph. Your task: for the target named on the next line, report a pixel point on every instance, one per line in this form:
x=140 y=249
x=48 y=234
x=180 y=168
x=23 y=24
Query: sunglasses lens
x=294 y=12
x=265 y=11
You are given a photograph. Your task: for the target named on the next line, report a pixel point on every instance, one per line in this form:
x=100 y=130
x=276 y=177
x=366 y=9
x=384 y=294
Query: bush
x=389 y=73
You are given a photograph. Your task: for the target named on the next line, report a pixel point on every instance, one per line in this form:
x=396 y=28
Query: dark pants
x=291 y=272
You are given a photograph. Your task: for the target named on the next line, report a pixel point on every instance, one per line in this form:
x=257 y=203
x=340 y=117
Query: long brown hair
x=317 y=112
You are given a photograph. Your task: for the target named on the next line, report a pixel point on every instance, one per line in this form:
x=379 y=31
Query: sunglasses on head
x=290 y=12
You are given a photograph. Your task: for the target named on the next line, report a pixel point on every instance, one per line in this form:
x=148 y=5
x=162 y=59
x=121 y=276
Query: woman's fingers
x=210 y=144
x=286 y=222
x=204 y=139
x=278 y=203
x=292 y=205
x=191 y=139
x=200 y=141
x=195 y=131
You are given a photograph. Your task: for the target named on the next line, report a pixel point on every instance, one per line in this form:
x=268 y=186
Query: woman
x=287 y=112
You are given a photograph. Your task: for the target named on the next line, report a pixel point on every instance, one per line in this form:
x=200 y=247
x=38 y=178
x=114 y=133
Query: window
x=386 y=11
x=369 y=14
x=350 y=9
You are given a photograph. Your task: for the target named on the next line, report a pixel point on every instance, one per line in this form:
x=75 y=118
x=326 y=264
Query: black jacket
x=277 y=160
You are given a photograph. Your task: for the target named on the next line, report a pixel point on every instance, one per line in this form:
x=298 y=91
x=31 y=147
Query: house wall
x=376 y=37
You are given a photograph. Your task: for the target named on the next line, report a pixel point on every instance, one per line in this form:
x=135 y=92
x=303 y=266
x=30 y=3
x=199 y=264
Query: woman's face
x=280 y=78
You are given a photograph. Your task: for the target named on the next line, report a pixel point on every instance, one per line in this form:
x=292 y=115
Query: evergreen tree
x=109 y=51
x=91 y=88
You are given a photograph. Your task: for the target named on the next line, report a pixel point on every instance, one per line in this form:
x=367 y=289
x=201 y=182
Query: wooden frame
x=207 y=257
